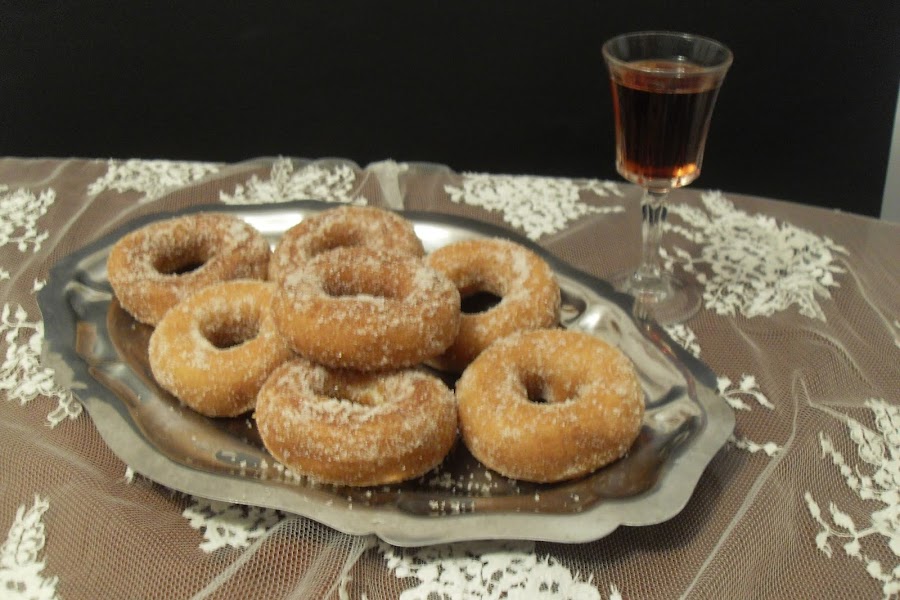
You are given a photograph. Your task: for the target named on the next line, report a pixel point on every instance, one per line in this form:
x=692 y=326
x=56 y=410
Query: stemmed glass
x=664 y=88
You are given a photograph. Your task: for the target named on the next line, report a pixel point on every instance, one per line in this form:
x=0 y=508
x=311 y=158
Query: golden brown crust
x=144 y=266
x=590 y=411
x=214 y=350
x=528 y=290
x=355 y=308
x=343 y=227
x=357 y=429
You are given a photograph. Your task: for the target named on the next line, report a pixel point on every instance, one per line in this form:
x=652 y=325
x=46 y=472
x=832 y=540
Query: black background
x=805 y=114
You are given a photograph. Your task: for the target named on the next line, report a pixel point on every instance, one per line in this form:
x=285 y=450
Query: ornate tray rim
x=125 y=439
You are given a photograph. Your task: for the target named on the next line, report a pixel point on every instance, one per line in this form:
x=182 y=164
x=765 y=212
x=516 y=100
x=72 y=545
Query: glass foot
x=664 y=299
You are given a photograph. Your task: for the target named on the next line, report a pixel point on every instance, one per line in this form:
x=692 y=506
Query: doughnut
x=353 y=428
x=357 y=309
x=346 y=226
x=152 y=268
x=524 y=282
x=549 y=405
x=214 y=350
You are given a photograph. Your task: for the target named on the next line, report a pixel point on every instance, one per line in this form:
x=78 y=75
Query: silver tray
x=100 y=353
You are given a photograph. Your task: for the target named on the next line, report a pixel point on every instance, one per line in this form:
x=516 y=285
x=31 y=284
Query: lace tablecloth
x=801 y=323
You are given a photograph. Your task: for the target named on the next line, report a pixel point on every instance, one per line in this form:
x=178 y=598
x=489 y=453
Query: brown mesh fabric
x=747 y=531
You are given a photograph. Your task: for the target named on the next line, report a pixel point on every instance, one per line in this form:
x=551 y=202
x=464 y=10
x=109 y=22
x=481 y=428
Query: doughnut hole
x=185 y=259
x=547 y=389
x=335 y=238
x=230 y=324
x=230 y=332
x=478 y=301
x=356 y=388
x=347 y=281
x=479 y=289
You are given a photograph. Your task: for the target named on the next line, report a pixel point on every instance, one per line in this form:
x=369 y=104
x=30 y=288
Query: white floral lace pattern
x=734 y=396
x=748 y=266
x=758 y=266
x=746 y=388
x=487 y=570
x=285 y=183
x=21 y=566
x=20 y=210
x=685 y=337
x=538 y=206
x=879 y=482
x=22 y=376
x=224 y=524
x=152 y=178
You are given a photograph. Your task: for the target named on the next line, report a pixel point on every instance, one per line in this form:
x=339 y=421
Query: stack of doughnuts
x=330 y=339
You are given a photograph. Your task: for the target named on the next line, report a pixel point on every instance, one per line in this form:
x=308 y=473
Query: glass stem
x=653 y=215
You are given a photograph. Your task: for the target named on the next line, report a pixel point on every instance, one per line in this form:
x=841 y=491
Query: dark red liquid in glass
x=662 y=118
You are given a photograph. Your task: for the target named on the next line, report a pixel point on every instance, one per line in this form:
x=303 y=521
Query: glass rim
x=701 y=69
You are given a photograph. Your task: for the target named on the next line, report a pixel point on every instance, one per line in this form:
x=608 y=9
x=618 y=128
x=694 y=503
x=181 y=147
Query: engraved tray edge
x=125 y=439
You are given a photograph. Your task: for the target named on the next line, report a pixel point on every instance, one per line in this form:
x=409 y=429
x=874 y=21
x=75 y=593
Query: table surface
x=800 y=322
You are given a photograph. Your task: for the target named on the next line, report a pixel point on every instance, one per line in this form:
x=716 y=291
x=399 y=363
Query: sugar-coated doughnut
x=152 y=268
x=358 y=309
x=549 y=405
x=353 y=428
x=214 y=350
x=528 y=291
x=345 y=226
